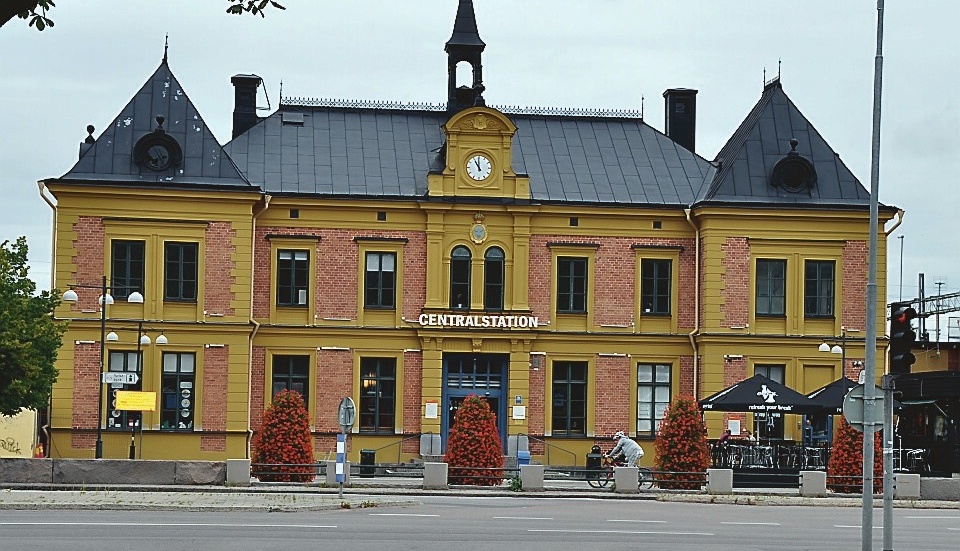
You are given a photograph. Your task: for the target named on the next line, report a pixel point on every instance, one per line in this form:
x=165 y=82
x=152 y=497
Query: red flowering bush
x=846 y=460
x=474 y=441
x=283 y=444
x=681 y=445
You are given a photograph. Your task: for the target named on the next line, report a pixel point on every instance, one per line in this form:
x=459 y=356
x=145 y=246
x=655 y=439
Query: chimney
x=680 y=122
x=245 y=102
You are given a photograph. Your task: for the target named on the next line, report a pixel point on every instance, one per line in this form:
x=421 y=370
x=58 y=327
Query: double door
x=482 y=375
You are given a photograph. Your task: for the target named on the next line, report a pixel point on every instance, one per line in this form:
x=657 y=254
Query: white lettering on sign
x=478 y=321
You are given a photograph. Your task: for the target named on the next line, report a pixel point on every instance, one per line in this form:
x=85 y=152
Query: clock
x=158 y=157
x=478 y=233
x=158 y=151
x=479 y=167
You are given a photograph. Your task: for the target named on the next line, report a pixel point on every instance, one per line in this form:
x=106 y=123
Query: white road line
x=934 y=517
x=857 y=526
x=523 y=518
x=638 y=521
x=752 y=523
x=400 y=515
x=626 y=532
x=171 y=524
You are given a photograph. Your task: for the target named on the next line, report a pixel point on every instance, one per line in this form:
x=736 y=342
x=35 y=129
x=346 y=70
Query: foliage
x=681 y=445
x=29 y=336
x=283 y=444
x=35 y=11
x=846 y=461
x=516 y=483
x=475 y=442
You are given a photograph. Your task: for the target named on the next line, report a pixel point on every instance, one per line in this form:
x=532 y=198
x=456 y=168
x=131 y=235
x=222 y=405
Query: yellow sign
x=18 y=433
x=130 y=400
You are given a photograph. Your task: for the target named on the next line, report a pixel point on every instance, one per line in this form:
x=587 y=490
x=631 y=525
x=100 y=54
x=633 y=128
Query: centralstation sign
x=479 y=321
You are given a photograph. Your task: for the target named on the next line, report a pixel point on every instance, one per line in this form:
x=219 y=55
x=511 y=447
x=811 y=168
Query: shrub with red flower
x=474 y=441
x=283 y=447
x=845 y=467
x=681 y=445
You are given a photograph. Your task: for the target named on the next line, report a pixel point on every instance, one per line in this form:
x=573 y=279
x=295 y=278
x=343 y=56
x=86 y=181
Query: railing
x=547 y=447
x=399 y=445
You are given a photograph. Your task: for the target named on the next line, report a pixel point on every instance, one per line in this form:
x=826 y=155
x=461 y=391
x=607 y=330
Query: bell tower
x=464 y=46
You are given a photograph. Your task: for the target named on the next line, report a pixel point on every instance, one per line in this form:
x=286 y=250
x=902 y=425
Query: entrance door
x=483 y=375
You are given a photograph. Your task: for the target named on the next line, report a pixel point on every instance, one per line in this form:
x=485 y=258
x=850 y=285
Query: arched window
x=460 y=278
x=493 y=279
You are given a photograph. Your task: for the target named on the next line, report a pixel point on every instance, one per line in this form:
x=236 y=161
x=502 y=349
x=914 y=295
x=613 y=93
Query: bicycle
x=604 y=475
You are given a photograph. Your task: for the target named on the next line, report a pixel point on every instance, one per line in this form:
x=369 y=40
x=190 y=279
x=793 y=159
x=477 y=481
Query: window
x=493 y=278
x=378 y=394
x=121 y=362
x=571 y=285
x=818 y=288
x=292 y=270
x=655 y=282
x=569 y=398
x=177 y=393
x=381 y=280
x=460 y=278
x=127 y=268
x=771 y=287
x=291 y=373
x=769 y=425
x=180 y=272
x=653 y=397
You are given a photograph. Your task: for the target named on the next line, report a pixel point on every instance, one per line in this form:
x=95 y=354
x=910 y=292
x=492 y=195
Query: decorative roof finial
x=160 y=120
x=89 y=139
x=166 y=45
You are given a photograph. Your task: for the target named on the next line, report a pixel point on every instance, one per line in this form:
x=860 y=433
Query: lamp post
x=105 y=299
x=840 y=348
x=143 y=339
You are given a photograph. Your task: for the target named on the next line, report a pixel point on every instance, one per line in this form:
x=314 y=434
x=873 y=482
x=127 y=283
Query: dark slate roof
x=465 y=31
x=762 y=140
x=368 y=151
x=204 y=163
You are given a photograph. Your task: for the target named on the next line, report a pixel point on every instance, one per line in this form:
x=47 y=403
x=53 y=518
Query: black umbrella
x=758 y=394
x=830 y=397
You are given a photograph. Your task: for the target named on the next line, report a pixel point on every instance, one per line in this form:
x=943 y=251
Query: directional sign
x=853 y=406
x=122 y=378
x=347 y=414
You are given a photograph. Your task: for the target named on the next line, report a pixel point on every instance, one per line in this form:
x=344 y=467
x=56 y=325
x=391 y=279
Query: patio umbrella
x=830 y=397
x=759 y=394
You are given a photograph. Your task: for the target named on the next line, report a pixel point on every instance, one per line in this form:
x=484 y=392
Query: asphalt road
x=480 y=523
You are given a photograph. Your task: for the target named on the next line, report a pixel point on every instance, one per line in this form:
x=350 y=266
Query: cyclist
x=628 y=447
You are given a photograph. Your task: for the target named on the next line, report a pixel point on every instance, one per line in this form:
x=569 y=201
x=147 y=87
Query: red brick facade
x=736 y=282
x=218 y=278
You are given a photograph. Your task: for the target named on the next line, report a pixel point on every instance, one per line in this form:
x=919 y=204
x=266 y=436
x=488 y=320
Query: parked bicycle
x=604 y=475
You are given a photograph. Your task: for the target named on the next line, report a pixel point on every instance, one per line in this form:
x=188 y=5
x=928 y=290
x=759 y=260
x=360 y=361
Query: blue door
x=483 y=375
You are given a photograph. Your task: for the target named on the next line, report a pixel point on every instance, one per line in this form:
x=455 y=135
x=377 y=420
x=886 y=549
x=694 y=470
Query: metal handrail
x=548 y=445
x=399 y=443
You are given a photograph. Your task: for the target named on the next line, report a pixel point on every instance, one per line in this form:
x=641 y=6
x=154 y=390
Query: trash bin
x=523 y=458
x=368 y=460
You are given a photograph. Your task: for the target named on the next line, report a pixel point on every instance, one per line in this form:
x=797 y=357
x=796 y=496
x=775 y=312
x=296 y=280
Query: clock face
x=158 y=158
x=479 y=167
x=478 y=232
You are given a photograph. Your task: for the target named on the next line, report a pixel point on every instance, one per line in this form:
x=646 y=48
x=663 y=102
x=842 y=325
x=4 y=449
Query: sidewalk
x=378 y=492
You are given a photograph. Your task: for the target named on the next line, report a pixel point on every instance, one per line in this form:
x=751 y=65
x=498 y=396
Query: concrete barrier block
x=113 y=471
x=813 y=483
x=627 y=480
x=435 y=476
x=237 y=472
x=331 y=478
x=906 y=485
x=531 y=477
x=719 y=481
x=942 y=489
x=18 y=470
x=203 y=473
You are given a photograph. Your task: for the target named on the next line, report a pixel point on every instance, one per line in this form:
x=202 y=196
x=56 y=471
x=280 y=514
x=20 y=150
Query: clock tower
x=464 y=46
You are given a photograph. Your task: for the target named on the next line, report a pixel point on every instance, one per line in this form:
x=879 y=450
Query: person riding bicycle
x=628 y=447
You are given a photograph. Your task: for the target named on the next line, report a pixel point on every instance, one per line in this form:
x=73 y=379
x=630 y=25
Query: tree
x=845 y=467
x=682 y=450
x=283 y=447
x=474 y=441
x=29 y=336
x=35 y=11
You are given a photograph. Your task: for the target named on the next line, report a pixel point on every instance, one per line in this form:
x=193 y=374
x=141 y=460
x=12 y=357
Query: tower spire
x=464 y=45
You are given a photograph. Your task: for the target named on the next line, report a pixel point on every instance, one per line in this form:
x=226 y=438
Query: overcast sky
x=555 y=53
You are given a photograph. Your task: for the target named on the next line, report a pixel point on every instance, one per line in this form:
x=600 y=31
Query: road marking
x=626 y=532
x=857 y=526
x=401 y=515
x=752 y=523
x=523 y=518
x=172 y=524
x=934 y=517
x=634 y=520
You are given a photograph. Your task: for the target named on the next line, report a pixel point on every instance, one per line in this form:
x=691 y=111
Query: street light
x=839 y=348
x=105 y=299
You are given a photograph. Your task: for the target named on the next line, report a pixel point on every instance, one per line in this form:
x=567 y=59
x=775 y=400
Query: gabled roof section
x=111 y=157
x=746 y=162
x=379 y=151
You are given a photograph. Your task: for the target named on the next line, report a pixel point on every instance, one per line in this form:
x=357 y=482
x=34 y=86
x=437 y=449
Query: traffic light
x=902 y=338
